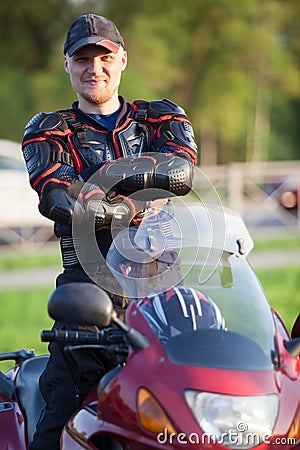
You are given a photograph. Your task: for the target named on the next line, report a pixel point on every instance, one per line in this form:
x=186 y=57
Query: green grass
x=25 y=259
x=23 y=316
x=282 y=286
x=44 y=258
x=24 y=311
x=278 y=244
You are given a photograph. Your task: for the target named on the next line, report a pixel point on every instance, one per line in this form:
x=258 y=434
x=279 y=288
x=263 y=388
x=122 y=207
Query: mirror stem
x=134 y=338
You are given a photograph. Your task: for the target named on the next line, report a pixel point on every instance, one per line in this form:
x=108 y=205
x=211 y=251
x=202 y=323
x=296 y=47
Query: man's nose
x=95 y=65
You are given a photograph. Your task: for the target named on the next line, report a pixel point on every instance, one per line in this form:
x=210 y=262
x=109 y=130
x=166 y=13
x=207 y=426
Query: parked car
x=19 y=202
x=287 y=192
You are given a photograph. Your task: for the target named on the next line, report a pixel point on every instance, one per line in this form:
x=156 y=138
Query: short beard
x=101 y=98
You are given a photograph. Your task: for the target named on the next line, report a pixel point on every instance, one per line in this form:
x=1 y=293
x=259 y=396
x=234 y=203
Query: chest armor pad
x=133 y=139
x=93 y=146
x=98 y=146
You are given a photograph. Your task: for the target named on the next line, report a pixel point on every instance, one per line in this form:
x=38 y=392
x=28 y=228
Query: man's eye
x=80 y=59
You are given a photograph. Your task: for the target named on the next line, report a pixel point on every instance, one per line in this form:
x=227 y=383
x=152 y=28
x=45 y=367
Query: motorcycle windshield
x=186 y=250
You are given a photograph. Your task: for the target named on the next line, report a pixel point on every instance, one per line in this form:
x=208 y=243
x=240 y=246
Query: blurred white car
x=18 y=201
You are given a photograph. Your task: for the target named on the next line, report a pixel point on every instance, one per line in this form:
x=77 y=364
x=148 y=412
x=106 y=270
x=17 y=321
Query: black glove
x=59 y=204
x=89 y=203
x=118 y=211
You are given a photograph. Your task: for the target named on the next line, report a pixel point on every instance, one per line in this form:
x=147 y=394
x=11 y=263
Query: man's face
x=95 y=74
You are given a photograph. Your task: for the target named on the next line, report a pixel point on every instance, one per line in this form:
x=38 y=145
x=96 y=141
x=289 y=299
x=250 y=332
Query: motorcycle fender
x=12 y=425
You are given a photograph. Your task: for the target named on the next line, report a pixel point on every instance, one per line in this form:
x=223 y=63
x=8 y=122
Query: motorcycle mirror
x=293 y=347
x=296 y=328
x=133 y=337
x=81 y=303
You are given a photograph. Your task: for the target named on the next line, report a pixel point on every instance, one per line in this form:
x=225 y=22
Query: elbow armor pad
x=166 y=172
x=58 y=206
x=174 y=175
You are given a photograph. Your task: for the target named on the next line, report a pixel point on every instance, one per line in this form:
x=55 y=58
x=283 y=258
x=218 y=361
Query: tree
x=31 y=40
x=233 y=66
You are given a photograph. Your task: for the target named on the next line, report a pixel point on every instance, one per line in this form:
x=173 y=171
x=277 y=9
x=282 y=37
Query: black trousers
x=67 y=379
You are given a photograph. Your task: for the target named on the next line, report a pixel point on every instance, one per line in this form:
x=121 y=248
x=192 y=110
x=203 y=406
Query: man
x=77 y=154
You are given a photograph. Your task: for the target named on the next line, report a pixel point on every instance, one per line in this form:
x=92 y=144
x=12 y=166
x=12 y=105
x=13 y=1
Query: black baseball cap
x=92 y=29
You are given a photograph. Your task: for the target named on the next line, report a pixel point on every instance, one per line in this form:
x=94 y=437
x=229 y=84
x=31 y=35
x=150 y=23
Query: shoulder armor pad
x=42 y=122
x=165 y=106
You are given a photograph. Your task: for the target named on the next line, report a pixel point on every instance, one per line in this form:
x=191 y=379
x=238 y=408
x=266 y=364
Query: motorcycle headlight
x=238 y=422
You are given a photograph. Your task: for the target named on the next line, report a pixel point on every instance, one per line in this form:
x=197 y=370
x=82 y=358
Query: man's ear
x=124 y=60
x=66 y=65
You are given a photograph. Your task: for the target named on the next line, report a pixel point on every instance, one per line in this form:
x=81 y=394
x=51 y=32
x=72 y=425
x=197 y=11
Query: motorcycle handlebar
x=105 y=337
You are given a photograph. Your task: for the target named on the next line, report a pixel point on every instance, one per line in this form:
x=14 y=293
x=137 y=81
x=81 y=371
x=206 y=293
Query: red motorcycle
x=203 y=363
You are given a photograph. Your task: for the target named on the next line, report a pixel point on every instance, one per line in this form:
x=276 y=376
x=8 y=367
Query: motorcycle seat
x=28 y=391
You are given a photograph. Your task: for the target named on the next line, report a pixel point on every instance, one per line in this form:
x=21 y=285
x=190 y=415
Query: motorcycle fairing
x=168 y=370
x=167 y=382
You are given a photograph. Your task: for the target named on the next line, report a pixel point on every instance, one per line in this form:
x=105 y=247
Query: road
x=45 y=276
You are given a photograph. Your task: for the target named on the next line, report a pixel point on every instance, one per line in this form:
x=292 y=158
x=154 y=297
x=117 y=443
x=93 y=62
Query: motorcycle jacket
x=63 y=147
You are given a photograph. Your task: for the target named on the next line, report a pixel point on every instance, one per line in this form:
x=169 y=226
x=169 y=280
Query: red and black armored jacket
x=67 y=145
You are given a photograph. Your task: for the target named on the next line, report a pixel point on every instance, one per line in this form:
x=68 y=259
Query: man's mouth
x=95 y=81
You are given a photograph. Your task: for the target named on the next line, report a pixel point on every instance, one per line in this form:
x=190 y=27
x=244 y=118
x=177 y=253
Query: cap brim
x=94 y=40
